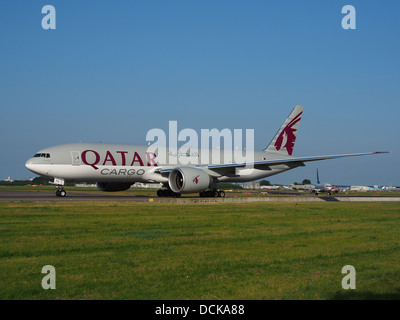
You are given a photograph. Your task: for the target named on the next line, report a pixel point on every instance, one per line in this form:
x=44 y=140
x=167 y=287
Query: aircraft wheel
x=221 y=193
x=58 y=193
x=63 y=193
x=160 y=193
x=215 y=194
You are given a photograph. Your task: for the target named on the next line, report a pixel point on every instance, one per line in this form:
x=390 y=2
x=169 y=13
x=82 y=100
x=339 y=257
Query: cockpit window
x=42 y=155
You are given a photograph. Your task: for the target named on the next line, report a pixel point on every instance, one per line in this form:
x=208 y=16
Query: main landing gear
x=212 y=194
x=204 y=194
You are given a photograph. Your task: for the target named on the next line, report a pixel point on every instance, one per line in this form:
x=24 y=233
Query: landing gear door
x=76 y=158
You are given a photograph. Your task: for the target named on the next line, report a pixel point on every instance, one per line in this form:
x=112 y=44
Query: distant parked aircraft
x=326 y=187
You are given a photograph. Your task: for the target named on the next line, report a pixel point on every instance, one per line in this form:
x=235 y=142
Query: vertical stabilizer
x=283 y=142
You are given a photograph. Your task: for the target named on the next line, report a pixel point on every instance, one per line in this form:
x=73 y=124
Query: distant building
x=302 y=186
x=147 y=185
x=360 y=188
x=270 y=187
x=85 y=185
x=251 y=185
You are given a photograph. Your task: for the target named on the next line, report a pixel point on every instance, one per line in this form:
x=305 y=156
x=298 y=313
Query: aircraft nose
x=37 y=166
x=28 y=164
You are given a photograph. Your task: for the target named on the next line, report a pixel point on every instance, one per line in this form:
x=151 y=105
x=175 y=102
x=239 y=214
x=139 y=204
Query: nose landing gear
x=60 y=187
x=60 y=192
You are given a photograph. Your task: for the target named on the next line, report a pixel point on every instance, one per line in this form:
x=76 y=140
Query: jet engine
x=189 y=180
x=113 y=186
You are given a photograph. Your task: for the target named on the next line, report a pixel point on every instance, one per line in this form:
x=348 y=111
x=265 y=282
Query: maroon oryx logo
x=196 y=179
x=289 y=132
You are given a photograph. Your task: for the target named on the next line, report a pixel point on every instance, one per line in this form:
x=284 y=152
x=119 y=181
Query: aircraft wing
x=265 y=164
x=296 y=161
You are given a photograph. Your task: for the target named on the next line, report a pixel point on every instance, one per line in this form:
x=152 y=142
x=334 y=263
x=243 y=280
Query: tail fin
x=283 y=142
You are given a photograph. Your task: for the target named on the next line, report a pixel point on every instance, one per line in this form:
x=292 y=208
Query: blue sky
x=112 y=70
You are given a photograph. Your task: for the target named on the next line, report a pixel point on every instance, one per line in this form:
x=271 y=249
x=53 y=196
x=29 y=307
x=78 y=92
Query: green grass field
x=129 y=250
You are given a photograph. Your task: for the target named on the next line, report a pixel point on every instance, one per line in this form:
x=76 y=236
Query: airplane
x=116 y=167
x=326 y=187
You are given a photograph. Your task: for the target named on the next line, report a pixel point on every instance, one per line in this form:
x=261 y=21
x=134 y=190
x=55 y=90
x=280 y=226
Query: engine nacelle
x=113 y=186
x=189 y=180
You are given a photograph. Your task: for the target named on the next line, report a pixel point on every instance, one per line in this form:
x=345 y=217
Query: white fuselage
x=323 y=188
x=125 y=163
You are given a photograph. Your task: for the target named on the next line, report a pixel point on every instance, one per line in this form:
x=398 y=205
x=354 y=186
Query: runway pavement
x=47 y=196
x=41 y=196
